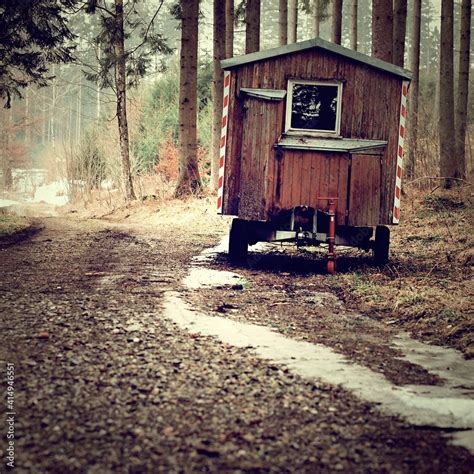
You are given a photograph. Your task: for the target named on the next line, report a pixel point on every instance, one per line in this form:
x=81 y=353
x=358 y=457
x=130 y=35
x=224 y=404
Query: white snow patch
x=207 y=278
x=7 y=203
x=444 y=407
x=54 y=193
x=450 y=405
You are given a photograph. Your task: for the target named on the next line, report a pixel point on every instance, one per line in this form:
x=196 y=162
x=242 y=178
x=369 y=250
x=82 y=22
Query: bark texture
x=189 y=180
x=382 y=20
x=354 y=21
x=336 y=21
x=463 y=88
x=412 y=128
x=217 y=85
x=5 y=130
x=399 y=31
x=283 y=22
x=292 y=21
x=229 y=28
x=121 y=93
x=447 y=159
x=252 y=30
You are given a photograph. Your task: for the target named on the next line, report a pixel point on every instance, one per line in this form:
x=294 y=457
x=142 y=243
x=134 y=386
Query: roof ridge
x=316 y=43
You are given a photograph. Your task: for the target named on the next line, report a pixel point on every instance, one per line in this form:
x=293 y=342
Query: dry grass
x=427 y=287
x=10 y=224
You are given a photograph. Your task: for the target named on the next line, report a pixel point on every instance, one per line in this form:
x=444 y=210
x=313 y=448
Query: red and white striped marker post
x=223 y=142
x=400 y=151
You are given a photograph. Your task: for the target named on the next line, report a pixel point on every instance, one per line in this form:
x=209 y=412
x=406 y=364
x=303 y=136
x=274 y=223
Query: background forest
x=66 y=130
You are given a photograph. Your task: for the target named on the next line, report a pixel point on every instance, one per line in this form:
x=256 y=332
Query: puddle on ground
x=444 y=407
x=210 y=254
x=449 y=406
x=199 y=277
x=449 y=364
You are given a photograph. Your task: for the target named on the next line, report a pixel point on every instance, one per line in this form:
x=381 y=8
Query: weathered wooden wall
x=305 y=176
x=256 y=188
x=370 y=110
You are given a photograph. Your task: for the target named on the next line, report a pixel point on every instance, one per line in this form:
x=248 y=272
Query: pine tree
x=336 y=21
x=283 y=22
x=229 y=28
x=189 y=180
x=414 y=92
x=399 y=31
x=446 y=96
x=354 y=24
x=463 y=89
x=382 y=19
x=120 y=67
x=292 y=21
x=252 y=22
x=217 y=85
x=33 y=35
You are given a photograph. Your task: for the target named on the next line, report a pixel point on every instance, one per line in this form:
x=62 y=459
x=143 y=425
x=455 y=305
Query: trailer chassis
x=307 y=226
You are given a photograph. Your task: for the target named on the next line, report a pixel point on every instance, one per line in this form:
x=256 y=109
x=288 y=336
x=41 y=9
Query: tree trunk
x=252 y=30
x=283 y=22
x=382 y=19
x=463 y=89
x=29 y=114
x=336 y=21
x=121 y=93
x=52 y=113
x=79 y=113
x=229 y=28
x=5 y=130
x=446 y=96
x=292 y=21
x=354 y=20
x=217 y=87
x=413 y=92
x=189 y=180
x=98 y=100
x=399 y=31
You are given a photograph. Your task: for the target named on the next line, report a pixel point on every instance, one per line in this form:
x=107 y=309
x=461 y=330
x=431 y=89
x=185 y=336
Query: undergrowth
x=426 y=287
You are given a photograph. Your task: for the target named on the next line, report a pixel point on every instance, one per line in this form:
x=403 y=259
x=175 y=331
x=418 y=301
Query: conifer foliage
x=33 y=35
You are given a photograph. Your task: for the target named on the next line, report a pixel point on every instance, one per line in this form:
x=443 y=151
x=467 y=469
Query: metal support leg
x=331 y=264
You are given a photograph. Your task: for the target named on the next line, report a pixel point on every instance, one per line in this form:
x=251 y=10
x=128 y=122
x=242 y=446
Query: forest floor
x=105 y=381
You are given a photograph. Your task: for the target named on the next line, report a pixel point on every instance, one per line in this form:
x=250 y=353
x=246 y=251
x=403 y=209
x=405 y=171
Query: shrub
x=154 y=142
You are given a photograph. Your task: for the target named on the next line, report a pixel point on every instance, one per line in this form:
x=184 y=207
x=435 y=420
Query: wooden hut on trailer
x=312 y=147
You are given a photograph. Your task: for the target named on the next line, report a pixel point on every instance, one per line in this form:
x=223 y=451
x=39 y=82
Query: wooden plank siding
x=364 y=195
x=303 y=177
x=370 y=110
x=257 y=156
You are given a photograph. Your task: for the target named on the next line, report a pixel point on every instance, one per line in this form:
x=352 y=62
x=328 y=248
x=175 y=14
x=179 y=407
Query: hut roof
x=316 y=43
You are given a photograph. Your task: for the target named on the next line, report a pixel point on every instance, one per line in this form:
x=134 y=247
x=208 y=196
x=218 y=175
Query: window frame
x=310 y=131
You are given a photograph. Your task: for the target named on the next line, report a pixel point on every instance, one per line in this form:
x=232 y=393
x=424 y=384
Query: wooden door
x=364 y=189
x=261 y=128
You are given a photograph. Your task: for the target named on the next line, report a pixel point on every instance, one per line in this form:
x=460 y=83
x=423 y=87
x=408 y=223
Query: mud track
x=104 y=383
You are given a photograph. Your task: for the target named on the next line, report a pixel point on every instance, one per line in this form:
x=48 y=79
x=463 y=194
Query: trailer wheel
x=381 y=245
x=238 y=241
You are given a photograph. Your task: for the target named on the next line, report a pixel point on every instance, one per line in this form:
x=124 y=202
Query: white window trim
x=310 y=131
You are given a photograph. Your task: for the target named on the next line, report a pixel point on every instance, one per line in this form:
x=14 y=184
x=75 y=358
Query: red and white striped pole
x=400 y=151
x=223 y=142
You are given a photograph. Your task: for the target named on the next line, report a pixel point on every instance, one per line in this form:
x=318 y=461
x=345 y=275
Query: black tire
x=238 y=241
x=381 y=245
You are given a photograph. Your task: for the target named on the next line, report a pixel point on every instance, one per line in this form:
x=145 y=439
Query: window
x=313 y=107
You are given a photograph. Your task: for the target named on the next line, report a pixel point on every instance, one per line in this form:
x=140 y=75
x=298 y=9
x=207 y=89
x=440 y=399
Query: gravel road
x=104 y=383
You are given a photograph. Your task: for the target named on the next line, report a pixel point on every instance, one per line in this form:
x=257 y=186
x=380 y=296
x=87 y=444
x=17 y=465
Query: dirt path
x=104 y=383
